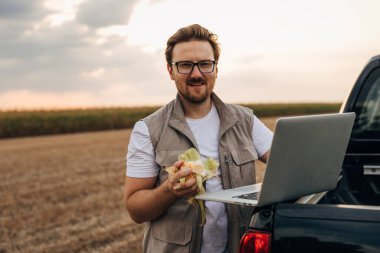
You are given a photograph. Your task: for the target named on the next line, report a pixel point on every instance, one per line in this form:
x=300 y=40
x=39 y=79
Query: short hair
x=189 y=33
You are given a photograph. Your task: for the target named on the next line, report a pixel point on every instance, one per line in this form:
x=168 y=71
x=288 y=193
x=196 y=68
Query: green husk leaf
x=200 y=184
x=211 y=166
x=203 y=211
x=189 y=155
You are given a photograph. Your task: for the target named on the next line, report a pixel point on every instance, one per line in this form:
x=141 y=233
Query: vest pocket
x=243 y=174
x=243 y=169
x=173 y=233
x=171 y=236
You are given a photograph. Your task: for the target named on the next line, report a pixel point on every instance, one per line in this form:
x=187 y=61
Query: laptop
x=306 y=157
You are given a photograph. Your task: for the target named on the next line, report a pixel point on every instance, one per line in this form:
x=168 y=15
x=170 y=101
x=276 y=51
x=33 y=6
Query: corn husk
x=203 y=170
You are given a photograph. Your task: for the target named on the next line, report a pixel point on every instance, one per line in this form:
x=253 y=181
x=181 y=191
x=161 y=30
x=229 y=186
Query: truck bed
x=326 y=228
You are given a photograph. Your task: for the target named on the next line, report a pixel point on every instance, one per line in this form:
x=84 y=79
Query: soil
x=64 y=193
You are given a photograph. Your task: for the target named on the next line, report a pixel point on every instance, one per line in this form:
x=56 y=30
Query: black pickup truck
x=346 y=219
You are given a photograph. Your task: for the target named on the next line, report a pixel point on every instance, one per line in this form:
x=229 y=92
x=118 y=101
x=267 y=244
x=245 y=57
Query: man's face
x=195 y=87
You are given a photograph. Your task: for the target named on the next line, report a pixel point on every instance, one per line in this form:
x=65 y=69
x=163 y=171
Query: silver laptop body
x=306 y=157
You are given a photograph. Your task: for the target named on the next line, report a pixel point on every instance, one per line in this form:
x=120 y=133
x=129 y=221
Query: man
x=230 y=134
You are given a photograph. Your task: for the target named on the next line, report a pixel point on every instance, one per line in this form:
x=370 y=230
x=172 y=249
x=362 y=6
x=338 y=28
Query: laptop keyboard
x=252 y=195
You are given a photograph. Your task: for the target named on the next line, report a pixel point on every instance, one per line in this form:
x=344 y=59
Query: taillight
x=254 y=241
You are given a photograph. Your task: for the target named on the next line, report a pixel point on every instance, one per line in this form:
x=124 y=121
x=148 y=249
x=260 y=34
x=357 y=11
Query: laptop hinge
x=311 y=199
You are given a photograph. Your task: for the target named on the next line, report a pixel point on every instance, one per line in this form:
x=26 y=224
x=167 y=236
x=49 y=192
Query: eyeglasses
x=186 y=67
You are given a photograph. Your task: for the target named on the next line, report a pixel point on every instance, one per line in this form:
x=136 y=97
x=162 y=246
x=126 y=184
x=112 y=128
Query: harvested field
x=64 y=193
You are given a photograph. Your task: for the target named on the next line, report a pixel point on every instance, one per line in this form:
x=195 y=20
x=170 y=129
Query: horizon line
x=104 y=107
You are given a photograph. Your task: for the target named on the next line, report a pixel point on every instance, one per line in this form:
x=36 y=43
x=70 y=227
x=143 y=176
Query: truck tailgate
x=326 y=228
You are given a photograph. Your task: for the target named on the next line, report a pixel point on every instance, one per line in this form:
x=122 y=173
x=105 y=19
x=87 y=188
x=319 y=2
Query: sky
x=105 y=53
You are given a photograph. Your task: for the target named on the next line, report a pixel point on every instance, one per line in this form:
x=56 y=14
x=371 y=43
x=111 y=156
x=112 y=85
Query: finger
x=181 y=174
x=192 y=191
x=185 y=172
x=190 y=183
x=187 y=187
x=178 y=164
x=177 y=187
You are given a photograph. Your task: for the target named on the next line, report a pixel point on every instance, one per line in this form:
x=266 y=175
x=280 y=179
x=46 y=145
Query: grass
x=47 y=122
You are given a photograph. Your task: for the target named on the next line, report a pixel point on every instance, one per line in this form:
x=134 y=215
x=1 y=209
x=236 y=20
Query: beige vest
x=178 y=229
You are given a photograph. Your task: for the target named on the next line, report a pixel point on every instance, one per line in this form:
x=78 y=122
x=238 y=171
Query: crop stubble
x=64 y=193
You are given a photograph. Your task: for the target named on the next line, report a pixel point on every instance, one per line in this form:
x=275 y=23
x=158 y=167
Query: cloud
x=54 y=58
x=20 y=9
x=102 y=13
x=112 y=51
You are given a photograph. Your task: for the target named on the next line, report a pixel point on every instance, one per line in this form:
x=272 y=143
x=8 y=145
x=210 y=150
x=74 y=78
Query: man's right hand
x=186 y=189
x=145 y=201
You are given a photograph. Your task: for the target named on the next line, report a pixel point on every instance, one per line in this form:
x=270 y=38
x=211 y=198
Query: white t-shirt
x=141 y=164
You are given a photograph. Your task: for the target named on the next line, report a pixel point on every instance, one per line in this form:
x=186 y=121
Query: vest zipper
x=228 y=162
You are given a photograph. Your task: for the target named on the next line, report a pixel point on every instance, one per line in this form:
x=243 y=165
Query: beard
x=195 y=98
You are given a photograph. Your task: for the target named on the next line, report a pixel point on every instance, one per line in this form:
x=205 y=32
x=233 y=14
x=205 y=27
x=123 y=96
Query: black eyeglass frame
x=195 y=64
